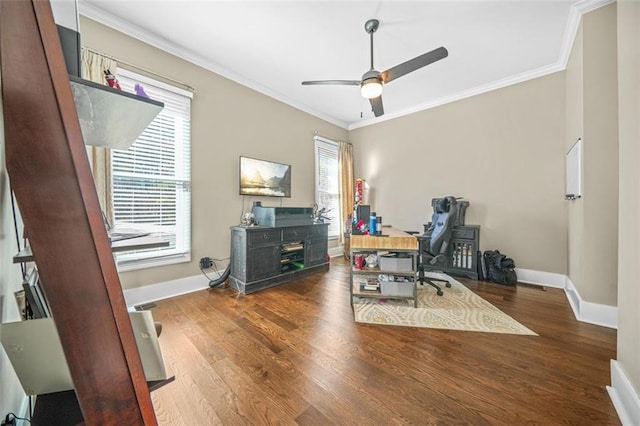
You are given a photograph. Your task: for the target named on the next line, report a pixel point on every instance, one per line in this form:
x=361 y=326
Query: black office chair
x=433 y=245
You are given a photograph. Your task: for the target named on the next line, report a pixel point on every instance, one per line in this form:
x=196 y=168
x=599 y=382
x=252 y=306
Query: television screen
x=260 y=177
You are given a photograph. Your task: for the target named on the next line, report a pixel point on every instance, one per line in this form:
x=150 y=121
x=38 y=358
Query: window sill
x=134 y=265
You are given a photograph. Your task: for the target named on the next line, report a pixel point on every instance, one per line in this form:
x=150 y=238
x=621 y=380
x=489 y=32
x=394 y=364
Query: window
x=327 y=182
x=151 y=180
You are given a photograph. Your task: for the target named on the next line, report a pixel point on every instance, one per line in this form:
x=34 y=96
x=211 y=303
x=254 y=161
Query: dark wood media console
x=263 y=257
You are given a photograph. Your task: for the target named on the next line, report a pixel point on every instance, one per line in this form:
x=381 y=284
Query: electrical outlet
x=206 y=262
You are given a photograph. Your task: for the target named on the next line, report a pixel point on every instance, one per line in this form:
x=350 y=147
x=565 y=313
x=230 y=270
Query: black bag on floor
x=499 y=268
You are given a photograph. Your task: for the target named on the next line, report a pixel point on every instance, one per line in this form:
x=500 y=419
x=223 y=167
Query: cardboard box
x=394 y=263
x=394 y=288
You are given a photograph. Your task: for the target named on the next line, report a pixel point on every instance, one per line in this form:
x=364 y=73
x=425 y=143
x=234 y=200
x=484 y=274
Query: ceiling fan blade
x=340 y=82
x=414 y=64
x=376 y=106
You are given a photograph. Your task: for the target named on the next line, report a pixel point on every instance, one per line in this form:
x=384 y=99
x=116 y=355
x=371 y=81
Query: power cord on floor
x=10 y=420
x=207 y=263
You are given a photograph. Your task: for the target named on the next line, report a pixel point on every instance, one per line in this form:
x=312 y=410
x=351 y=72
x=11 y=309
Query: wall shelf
x=108 y=117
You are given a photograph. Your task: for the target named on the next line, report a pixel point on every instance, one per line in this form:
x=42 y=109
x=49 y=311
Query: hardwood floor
x=294 y=355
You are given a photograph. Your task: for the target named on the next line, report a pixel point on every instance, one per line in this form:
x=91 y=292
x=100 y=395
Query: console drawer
x=319 y=231
x=294 y=233
x=263 y=236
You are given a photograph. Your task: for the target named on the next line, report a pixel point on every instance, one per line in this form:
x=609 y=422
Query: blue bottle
x=372 y=223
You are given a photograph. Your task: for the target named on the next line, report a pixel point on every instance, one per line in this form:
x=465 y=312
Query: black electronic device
x=70 y=43
x=363 y=212
x=282 y=216
x=35 y=297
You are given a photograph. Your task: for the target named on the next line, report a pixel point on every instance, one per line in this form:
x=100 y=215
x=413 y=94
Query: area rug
x=458 y=309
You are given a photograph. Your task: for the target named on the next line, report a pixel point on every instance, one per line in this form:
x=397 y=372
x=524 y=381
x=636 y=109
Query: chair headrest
x=442 y=205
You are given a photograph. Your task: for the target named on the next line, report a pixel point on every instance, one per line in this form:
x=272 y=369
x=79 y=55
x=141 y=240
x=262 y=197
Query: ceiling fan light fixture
x=371 y=88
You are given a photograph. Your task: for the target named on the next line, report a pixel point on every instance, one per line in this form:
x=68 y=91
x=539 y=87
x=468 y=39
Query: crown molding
x=540 y=72
x=573 y=23
x=99 y=15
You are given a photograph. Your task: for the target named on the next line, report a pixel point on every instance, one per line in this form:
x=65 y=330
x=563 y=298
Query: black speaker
x=363 y=212
x=70 y=42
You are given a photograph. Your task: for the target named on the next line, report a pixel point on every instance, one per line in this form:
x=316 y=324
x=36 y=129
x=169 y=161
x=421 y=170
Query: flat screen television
x=266 y=178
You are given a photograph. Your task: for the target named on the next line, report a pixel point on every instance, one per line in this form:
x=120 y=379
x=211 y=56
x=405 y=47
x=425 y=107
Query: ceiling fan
x=372 y=80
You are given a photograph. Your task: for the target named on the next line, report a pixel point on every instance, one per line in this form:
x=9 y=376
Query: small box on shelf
x=396 y=262
x=395 y=288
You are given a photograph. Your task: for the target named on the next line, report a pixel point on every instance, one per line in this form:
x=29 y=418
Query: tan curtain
x=345 y=172
x=93 y=67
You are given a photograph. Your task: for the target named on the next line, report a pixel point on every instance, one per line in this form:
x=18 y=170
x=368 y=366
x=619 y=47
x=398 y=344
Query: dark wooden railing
x=50 y=175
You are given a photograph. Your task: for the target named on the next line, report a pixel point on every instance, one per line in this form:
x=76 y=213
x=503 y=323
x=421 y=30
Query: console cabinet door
x=315 y=251
x=263 y=262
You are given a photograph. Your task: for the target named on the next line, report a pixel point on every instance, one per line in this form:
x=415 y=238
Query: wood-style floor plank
x=293 y=354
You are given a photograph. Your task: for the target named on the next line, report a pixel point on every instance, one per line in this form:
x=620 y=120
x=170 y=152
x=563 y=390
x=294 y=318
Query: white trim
x=164 y=290
x=573 y=22
x=152 y=262
x=593 y=313
x=624 y=396
x=586 y=6
x=540 y=72
x=336 y=251
x=577 y=10
x=24 y=410
x=548 y=279
x=99 y=15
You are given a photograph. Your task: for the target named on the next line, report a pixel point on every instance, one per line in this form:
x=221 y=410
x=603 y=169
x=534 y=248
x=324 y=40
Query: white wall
x=629 y=231
x=228 y=120
x=502 y=151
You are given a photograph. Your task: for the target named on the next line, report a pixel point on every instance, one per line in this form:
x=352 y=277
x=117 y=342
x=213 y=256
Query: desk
x=146 y=242
x=391 y=240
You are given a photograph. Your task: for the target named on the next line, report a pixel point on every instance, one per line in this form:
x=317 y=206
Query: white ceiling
x=272 y=46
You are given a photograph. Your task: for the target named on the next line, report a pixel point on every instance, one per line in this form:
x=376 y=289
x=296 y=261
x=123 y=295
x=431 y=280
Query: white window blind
x=151 y=179
x=327 y=181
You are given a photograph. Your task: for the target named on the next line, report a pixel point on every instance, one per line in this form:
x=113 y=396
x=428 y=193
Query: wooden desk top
x=391 y=239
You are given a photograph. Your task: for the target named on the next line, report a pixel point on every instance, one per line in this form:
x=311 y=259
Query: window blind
x=327 y=182
x=151 y=180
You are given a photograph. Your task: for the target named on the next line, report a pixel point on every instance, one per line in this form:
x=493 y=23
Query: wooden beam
x=49 y=172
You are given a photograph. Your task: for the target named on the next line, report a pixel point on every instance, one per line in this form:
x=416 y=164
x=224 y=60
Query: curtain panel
x=93 y=67
x=345 y=171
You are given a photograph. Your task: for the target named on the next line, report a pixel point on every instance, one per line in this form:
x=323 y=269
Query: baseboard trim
x=592 y=313
x=336 y=251
x=24 y=409
x=547 y=279
x=623 y=396
x=151 y=293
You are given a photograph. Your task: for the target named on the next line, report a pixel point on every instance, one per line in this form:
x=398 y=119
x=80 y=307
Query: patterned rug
x=458 y=309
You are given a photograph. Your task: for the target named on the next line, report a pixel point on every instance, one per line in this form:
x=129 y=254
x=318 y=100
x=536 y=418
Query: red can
x=358 y=261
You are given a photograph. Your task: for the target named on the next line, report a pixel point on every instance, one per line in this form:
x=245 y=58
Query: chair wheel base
x=448 y=285
x=440 y=293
